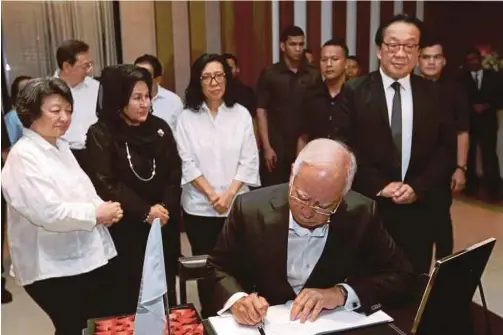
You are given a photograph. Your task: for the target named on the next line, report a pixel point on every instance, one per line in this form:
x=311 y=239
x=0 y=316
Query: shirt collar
x=388 y=81
x=84 y=83
x=301 y=231
x=283 y=67
x=35 y=137
x=160 y=93
x=205 y=107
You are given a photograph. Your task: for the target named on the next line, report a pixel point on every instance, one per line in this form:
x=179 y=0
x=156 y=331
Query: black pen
x=261 y=324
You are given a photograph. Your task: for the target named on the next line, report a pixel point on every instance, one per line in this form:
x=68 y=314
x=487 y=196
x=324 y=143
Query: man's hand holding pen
x=250 y=310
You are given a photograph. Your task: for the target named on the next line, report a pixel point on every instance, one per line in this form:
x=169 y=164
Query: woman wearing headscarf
x=133 y=160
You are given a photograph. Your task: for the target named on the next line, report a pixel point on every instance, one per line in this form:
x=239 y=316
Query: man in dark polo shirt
x=431 y=65
x=280 y=91
x=320 y=113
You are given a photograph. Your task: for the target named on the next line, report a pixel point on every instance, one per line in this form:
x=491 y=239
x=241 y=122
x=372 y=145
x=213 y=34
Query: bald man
x=312 y=241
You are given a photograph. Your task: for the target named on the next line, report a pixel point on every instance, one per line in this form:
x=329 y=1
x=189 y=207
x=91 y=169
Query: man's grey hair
x=325 y=153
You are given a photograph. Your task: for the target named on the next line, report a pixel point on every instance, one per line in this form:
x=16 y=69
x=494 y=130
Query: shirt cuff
x=352 y=300
x=231 y=301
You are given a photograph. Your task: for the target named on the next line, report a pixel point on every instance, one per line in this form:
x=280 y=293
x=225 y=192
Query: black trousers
x=442 y=231
x=71 y=301
x=412 y=228
x=203 y=233
x=483 y=133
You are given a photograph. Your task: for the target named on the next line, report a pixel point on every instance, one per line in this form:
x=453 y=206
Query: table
x=404 y=317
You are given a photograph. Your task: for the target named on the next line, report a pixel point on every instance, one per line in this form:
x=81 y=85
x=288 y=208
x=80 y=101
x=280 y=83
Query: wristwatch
x=344 y=293
x=462 y=167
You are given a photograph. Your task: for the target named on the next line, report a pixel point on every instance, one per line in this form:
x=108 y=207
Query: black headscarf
x=116 y=86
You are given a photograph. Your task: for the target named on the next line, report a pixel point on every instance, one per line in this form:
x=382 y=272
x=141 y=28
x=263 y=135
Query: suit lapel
x=334 y=258
x=484 y=80
x=417 y=106
x=275 y=242
x=378 y=99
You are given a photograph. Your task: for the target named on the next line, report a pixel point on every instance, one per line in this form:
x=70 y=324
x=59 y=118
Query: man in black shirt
x=244 y=93
x=431 y=65
x=280 y=92
x=320 y=112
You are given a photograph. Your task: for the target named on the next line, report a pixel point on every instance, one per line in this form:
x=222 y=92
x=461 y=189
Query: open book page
x=278 y=322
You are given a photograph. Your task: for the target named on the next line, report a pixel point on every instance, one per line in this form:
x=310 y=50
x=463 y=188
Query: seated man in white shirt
x=75 y=65
x=165 y=104
x=313 y=241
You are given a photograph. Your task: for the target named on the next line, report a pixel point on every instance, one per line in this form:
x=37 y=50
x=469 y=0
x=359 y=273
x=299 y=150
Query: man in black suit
x=404 y=143
x=313 y=241
x=485 y=93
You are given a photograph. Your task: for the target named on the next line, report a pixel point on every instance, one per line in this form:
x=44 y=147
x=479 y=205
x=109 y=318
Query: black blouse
x=114 y=179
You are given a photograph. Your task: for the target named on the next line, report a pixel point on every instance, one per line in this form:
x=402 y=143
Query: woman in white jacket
x=57 y=231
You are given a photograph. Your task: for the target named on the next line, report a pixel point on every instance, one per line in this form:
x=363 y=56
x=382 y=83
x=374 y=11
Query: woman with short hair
x=57 y=224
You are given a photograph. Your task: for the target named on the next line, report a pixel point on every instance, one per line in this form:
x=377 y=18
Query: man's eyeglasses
x=85 y=66
x=207 y=78
x=395 y=47
x=315 y=209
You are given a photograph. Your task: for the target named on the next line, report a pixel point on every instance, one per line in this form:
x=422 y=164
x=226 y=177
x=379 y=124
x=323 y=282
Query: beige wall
x=137 y=29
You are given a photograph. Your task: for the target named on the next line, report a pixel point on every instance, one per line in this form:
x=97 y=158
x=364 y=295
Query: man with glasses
x=404 y=143
x=312 y=241
x=75 y=65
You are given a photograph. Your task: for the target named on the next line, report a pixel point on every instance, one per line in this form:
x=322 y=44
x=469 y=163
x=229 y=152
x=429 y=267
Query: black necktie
x=396 y=118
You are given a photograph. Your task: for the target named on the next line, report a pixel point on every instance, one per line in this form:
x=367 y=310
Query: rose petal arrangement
x=182 y=321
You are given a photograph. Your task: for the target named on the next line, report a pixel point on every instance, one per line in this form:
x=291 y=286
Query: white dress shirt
x=167 y=106
x=52 y=205
x=407 y=113
x=85 y=97
x=221 y=149
x=304 y=251
x=477 y=77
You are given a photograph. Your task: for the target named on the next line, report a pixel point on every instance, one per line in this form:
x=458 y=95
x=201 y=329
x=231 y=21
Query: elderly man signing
x=312 y=241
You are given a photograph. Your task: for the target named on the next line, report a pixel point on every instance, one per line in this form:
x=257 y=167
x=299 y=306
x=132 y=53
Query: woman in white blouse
x=219 y=153
x=57 y=231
